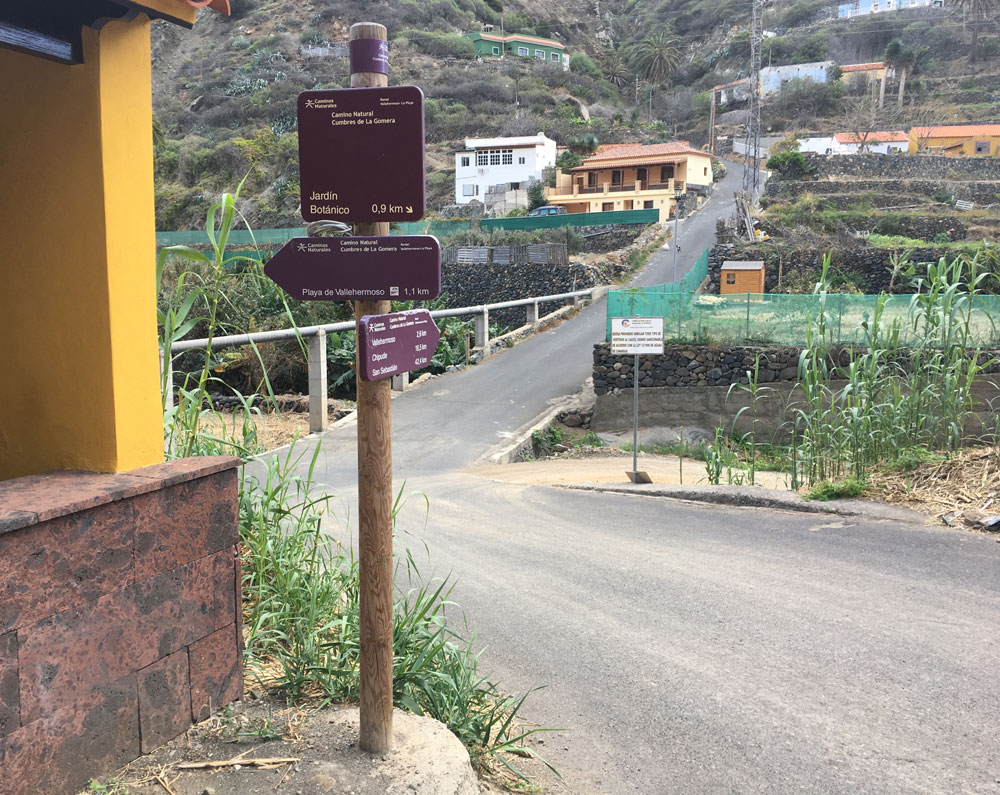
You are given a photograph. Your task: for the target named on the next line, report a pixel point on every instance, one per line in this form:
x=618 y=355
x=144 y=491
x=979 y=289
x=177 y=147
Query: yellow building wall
x=699 y=169
x=967 y=148
x=746 y=282
x=80 y=387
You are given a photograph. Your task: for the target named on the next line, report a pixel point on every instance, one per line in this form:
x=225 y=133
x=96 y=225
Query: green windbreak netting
x=787 y=319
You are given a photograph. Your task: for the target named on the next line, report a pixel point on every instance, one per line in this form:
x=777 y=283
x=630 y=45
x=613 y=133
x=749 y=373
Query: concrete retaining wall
x=120 y=616
x=710 y=407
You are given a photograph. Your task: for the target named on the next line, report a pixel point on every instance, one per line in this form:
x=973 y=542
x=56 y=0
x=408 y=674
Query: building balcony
x=606 y=188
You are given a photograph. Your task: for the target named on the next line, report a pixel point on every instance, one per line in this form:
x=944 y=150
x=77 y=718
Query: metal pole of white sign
x=635 y=419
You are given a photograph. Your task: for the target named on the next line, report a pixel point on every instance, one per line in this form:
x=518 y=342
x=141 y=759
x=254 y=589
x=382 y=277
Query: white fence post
x=318 y=419
x=531 y=312
x=483 y=329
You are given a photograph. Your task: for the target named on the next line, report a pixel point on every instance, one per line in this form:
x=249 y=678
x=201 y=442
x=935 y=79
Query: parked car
x=548 y=209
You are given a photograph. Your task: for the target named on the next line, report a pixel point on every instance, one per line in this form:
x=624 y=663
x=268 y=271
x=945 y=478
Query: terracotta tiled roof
x=956 y=131
x=889 y=136
x=627 y=151
x=741 y=82
x=862 y=67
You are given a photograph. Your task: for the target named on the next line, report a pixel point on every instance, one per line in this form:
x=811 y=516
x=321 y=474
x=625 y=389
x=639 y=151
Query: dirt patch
x=261 y=748
x=603 y=466
x=964 y=488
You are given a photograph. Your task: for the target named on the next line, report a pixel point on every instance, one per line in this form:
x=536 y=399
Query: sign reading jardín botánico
x=361 y=154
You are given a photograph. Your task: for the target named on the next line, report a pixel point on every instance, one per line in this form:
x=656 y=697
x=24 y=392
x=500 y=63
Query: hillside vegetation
x=224 y=93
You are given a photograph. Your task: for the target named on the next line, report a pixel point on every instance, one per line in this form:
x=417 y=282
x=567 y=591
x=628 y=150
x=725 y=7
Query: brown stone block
x=216 y=671
x=53 y=494
x=177 y=607
x=65 y=657
x=60 y=753
x=170 y=473
x=10 y=700
x=164 y=700
x=185 y=522
x=225 y=576
x=64 y=562
x=68 y=657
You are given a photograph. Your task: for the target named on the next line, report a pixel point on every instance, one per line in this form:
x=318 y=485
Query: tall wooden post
x=374 y=500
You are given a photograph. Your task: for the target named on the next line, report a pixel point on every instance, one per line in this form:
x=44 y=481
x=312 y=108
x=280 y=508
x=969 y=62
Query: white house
x=772 y=78
x=884 y=142
x=499 y=165
x=860 y=8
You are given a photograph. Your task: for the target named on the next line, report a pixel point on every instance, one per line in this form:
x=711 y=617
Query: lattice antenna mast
x=751 y=173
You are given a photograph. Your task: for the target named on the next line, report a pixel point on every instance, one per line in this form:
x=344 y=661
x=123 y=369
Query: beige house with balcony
x=633 y=177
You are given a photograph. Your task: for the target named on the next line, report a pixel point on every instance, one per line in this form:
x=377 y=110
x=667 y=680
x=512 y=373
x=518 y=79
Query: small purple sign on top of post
x=398 y=267
x=396 y=343
x=369 y=55
x=361 y=154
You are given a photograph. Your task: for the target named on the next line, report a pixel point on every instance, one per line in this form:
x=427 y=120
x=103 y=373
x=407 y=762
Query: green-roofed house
x=492 y=45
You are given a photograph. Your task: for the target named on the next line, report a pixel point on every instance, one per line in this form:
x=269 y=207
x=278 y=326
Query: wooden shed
x=741 y=277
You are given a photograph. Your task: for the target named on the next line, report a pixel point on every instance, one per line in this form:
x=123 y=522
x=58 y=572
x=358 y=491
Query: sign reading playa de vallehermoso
x=404 y=267
x=361 y=154
x=397 y=343
x=636 y=335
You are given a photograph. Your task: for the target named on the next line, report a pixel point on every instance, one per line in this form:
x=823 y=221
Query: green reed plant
x=897 y=397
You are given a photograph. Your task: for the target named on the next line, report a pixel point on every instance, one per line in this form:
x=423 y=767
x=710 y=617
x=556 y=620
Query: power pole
x=751 y=171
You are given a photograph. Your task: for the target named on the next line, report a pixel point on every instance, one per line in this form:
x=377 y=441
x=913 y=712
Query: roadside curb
x=757 y=497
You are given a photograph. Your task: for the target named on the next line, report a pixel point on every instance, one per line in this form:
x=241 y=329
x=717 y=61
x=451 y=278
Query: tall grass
x=896 y=399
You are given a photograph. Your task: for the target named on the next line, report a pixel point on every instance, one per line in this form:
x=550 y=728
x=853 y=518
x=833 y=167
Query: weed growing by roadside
x=837 y=490
x=302 y=624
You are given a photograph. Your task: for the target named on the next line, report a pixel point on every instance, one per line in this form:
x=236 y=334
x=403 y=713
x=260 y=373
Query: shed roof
x=886 y=136
x=732 y=265
x=862 y=67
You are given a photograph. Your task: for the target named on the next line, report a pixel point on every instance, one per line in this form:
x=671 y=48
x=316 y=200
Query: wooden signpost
x=361 y=160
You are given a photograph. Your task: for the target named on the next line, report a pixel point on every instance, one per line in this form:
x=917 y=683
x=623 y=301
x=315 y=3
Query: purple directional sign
x=361 y=154
x=404 y=267
x=397 y=343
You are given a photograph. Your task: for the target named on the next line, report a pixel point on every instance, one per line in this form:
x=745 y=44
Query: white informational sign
x=637 y=335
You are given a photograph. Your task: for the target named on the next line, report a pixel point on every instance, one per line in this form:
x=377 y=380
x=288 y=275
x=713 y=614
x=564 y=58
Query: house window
x=465 y=162
x=494 y=157
x=616 y=177
x=540 y=54
x=706 y=171
x=648 y=204
x=482 y=158
x=520 y=161
x=470 y=190
x=730 y=278
x=522 y=50
x=555 y=57
x=507 y=156
x=496 y=50
x=607 y=207
x=982 y=147
x=591 y=179
x=666 y=173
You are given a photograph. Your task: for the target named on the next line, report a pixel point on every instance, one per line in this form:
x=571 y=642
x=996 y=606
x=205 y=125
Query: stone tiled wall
x=119 y=616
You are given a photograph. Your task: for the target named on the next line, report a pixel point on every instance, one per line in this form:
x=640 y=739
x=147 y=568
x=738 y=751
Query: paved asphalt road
x=695 y=649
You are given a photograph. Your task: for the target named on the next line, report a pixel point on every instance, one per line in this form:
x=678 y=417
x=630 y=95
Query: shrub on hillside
x=583 y=64
x=789 y=165
x=442 y=45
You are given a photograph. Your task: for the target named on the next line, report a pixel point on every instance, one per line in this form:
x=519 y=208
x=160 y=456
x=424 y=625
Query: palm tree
x=899 y=56
x=656 y=57
x=615 y=69
x=978 y=12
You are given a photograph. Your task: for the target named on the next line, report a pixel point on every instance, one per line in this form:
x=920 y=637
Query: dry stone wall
x=871 y=166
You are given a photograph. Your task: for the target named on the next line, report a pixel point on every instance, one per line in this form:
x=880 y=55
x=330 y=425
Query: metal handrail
x=349 y=325
x=316 y=335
